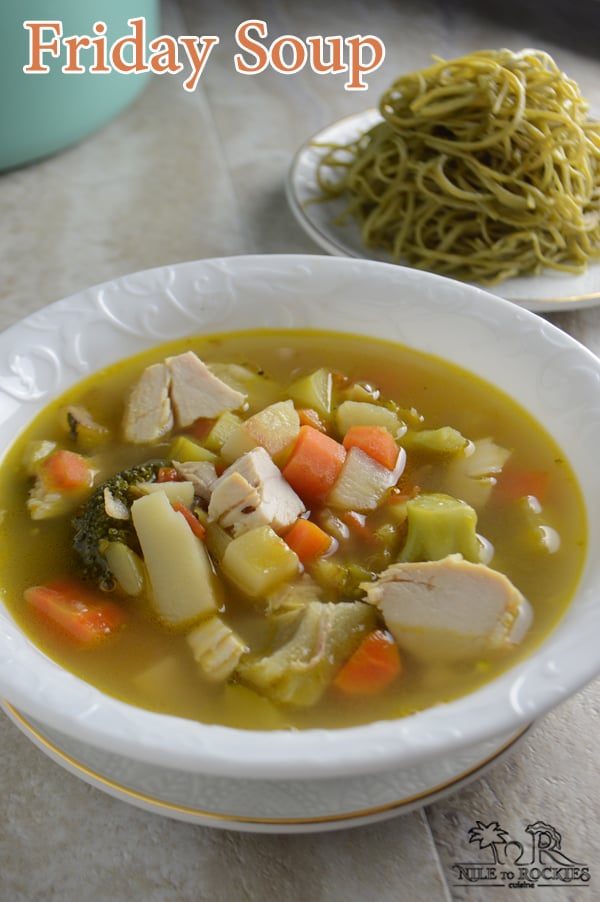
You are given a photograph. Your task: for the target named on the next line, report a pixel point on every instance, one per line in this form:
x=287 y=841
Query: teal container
x=41 y=114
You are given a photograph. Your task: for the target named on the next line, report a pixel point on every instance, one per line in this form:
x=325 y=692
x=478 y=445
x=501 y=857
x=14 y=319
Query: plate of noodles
x=485 y=169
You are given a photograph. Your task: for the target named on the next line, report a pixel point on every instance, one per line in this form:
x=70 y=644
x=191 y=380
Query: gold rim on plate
x=162 y=806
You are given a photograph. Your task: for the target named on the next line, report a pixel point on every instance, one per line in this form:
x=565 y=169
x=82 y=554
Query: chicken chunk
x=148 y=414
x=252 y=492
x=202 y=475
x=196 y=392
x=450 y=609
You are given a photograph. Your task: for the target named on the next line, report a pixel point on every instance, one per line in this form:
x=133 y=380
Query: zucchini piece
x=438 y=526
x=300 y=671
x=222 y=428
x=313 y=391
x=185 y=450
x=340 y=580
x=238 y=442
x=445 y=440
x=260 y=388
x=364 y=413
x=126 y=566
x=216 y=539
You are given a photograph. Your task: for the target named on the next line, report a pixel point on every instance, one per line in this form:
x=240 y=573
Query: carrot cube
x=314 y=464
x=308 y=540
x=375 y=441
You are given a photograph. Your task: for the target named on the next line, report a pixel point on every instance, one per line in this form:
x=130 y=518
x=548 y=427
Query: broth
x=151 y=667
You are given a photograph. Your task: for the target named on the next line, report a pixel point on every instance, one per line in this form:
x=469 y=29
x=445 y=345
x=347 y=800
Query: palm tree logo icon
x=490 y=836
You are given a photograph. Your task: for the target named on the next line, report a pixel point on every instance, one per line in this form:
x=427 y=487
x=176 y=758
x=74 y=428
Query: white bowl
x=314 y=778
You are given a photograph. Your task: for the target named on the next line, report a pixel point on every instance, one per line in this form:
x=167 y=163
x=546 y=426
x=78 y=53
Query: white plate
x=552 y=291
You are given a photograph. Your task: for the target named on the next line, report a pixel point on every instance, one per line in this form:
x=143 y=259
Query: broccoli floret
x=439 y=525
x=94 y=527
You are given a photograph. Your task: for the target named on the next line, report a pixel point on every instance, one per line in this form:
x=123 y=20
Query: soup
x=287 y=529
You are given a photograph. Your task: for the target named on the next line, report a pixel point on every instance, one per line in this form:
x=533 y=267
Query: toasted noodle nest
x=484 y=167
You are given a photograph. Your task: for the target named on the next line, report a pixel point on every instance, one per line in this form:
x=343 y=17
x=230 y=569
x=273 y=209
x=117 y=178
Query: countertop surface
x=184 y=175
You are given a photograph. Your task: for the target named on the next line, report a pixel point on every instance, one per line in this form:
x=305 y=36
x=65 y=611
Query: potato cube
x=274 y=428
x=362 y=483
x=258 y=561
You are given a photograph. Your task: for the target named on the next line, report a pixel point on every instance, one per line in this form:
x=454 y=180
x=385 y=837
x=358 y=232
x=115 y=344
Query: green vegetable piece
x=259 y=387
x=216 y=539
x=224 y=425
x=364 y=413
x=299 y=672
x=330 y=575
x=445 y=440
x=94 y=527
x=126 y=567
x=439 y=525
x=339 y=580
x=313 y=391
x=184 y=450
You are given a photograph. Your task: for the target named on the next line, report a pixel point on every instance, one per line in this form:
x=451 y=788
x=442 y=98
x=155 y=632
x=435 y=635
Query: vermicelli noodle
x=483 y=168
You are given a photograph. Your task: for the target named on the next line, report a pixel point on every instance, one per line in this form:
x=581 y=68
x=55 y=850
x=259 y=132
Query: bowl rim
x=208 y=294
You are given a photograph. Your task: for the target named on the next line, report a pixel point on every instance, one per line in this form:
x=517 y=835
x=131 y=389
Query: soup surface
x=309 y=530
